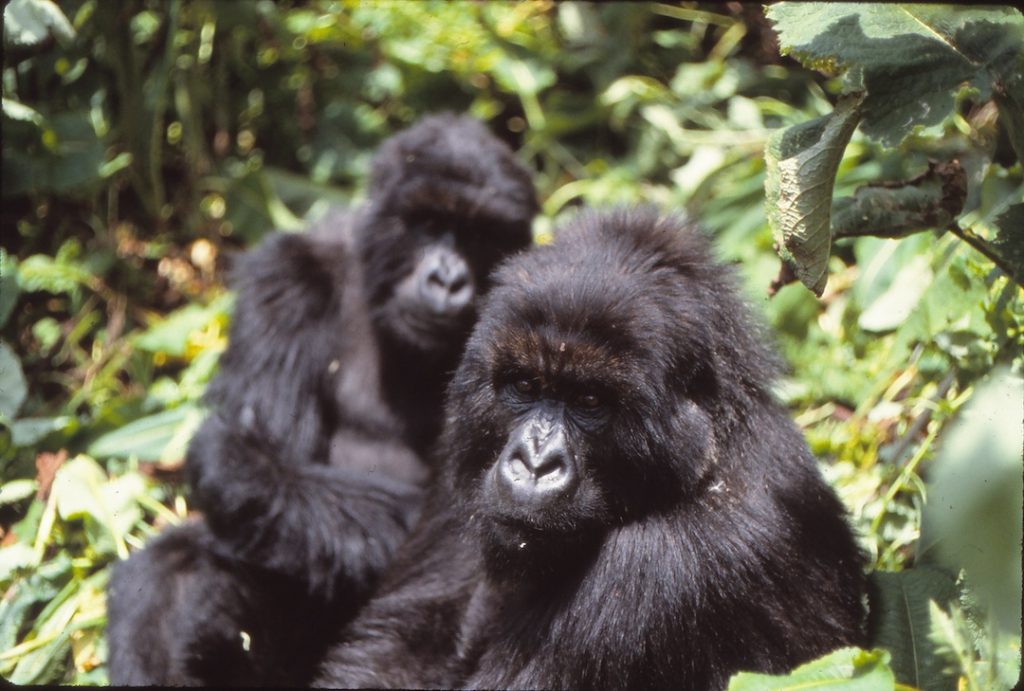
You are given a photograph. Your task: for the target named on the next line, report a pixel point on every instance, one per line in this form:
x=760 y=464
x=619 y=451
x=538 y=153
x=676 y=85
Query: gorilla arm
x=329 y=526
x=301 y=364
x=409 y=635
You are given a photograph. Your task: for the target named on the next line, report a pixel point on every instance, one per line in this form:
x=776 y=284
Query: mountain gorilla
x=309 y=471
x=623 y=503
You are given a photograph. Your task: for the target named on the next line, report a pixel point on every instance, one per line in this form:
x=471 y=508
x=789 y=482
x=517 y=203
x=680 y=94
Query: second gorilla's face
x=434 y=301
x=435 y=266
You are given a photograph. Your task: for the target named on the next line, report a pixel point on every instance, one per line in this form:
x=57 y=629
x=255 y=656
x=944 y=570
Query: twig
x=977 y=243
x=922 y=420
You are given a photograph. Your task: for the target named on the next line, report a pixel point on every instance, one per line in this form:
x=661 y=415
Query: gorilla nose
x=529 y=474
x=446 y=284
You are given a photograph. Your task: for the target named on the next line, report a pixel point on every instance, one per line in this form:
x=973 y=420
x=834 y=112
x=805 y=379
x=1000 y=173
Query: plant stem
x=977 y=243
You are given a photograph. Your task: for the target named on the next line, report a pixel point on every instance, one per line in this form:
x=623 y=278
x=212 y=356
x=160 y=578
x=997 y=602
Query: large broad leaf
x=74 y=158
x=171 y=334
x=13 y=387
x=900 y=622
x=1009 y=242
x=801 y=170
x=893 y=210
x=146 y=438
x=974 y=512
x=27 y=431
x=54 y=275
x=846 y=669
x=910 y=58
x=1009 y=96
x=108 y=507
x=891 y=309
x=8 y=285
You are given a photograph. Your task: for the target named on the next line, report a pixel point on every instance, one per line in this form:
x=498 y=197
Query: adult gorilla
x=623 y=504
x=309 y=471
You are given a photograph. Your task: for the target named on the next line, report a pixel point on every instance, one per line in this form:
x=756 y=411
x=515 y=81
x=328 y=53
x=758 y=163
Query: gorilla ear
x=694 y=362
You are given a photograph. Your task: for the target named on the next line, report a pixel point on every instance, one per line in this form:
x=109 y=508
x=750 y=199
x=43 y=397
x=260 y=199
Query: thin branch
x=977 y=243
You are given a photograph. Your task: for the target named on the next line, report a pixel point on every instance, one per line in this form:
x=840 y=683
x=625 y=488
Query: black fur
x=309 y=470
x=689 y=534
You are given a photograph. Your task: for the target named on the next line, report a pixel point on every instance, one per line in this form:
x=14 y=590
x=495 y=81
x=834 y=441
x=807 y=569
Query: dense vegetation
x=145 y=141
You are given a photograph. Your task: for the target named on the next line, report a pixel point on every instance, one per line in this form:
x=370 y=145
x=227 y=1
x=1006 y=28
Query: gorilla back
x=643 y=513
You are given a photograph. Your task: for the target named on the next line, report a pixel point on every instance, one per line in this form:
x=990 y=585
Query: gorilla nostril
x=435 y=279
x=552 y=472
x=517 y=471
x=458 y=282
x=549 y=464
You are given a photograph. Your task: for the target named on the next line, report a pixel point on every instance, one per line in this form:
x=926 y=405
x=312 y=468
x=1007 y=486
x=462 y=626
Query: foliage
x=849 y=669
x=146 y=141
x=901 y=66
x=976 y=483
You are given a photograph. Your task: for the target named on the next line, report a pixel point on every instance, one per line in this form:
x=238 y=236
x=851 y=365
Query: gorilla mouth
x=517 y=536
x=428 y=329
x=518 y=552
x=519 y=531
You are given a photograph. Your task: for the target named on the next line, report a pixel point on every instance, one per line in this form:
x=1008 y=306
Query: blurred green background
x=144 y=142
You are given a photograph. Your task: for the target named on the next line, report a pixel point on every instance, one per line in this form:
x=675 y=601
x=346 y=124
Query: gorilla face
x=433 y=301
x=449 y=201
x=430 y=274
x=587 y=387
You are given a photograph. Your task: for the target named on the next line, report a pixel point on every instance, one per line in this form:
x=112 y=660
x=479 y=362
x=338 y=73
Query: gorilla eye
x=589 y=401
x=526 y=386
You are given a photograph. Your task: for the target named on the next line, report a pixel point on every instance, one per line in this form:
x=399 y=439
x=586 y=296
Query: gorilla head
x=609 y=362
x=454 y=200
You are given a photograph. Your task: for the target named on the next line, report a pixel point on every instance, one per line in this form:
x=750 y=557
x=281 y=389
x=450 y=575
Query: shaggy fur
x=309 y=471
x=678 y=531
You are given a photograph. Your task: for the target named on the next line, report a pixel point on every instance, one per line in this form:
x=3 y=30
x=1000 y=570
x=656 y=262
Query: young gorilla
x=623 y=504
x=309 y=470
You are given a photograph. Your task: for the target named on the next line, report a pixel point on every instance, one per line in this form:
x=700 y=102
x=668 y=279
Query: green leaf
x=108 y=507
x=72 y=160
x=27 y=431
x=76 y=487
x=900 y=622
x=846 y=669
x=177 y=445
x=253 y=207
x=49 y=663
x=879 y=260
x=39 y=587
x=13 y=386
x=947 y=304
x=973 y=518
x=60 y=275
x=1009 y=241
x=28 y=22
x=16 y=110
x=145 y=438
x=1009 y=97
x=801 y=170
x=895 y=210
x=891 y=309
x=16 y=490
x=8 y=285
x=171 y=334
x=910 y=58
x=14 y=558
